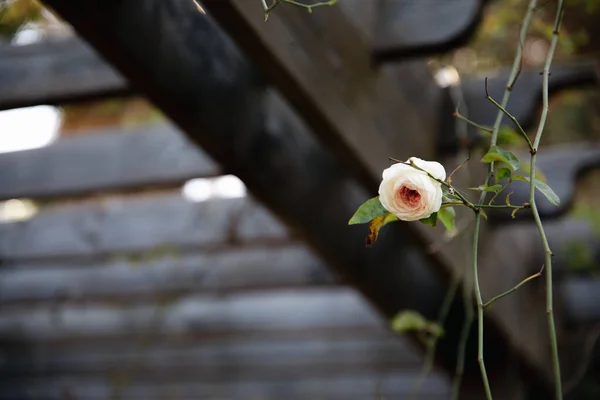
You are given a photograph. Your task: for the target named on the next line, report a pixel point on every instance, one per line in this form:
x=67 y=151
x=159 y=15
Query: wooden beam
x=420 y=28
x=55 y=72
x=228 y=315
x=166 y=49
x=232 y=269
x=122 y=158
x=130 y=226
x=250 y=360
x=352 y=386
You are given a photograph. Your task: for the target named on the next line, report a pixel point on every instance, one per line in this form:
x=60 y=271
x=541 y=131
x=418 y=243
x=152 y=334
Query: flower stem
x=516 y=67
x=486 y=384
x=536 y=215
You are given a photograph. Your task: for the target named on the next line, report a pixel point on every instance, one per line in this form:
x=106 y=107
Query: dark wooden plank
x=581 y=299
x=209 y=272
x=133 y=225
x=391 y=383
x=253 y=134
x=276 y=359
x=55 y=72
x=123 y=158
x=418 y=28
x=211 y=315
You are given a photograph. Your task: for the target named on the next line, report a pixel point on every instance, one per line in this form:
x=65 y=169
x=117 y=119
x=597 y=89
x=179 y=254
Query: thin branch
x=462 y=164
x=509 y=115
x=536 y=215
x=307 y=7
x=468 y=121
x=514 y=289
x=486 y=383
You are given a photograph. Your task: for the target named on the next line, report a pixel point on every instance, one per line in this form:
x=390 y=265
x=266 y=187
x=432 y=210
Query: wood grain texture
x=210 y=315
x=391 y=384
x=242 y=268
x=133 y=225
x=117 y=159
x=55 y=72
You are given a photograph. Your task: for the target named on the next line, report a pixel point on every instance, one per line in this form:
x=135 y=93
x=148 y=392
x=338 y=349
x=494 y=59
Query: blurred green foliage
x=14 y=14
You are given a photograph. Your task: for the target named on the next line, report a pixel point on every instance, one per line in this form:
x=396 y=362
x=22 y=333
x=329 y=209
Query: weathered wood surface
x=257 y=267
x=581 y=299
x=54 y=72
x=252 y=313
x=122 y=225
x=346 y=387
x=122 y=158
x=417 y=28
x=270 y=359
x=253 y=134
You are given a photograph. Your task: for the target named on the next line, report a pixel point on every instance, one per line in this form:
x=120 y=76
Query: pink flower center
x=408 y=196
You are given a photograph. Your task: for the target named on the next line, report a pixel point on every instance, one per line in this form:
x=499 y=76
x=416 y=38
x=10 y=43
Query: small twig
x=509 y=115
x=468 y=121
x=514 y=289
x=462 y=164
x=479 y=206
x=308 y=7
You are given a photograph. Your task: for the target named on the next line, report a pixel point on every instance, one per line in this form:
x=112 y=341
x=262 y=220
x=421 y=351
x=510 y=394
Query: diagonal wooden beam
x=187 y=67
x=302 y=56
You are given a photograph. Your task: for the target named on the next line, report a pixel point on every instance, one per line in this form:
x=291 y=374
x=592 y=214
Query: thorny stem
x=477 y=206
x=478 y=299
x=516 y=67
x=536 y=215
x=509 y=115
x=513 y=289
x=308 y=7
x=468 y=121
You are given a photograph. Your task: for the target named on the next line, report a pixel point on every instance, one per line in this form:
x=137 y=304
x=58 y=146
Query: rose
x=409 y=193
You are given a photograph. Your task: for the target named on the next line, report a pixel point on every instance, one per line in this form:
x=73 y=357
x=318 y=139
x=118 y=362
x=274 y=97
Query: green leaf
x=412 y=321
x=498 y=154
x=370 y=209
x=485 y=188
x=542 y=187
x=503 y=173
x=375 y=226
x=431 y=220
x=446 y=215
x=526 y=168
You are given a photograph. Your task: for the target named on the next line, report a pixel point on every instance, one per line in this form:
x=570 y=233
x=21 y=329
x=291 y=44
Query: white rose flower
x=411 y=194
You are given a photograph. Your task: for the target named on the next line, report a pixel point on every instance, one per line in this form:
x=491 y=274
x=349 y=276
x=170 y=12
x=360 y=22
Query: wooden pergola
x=306 y=112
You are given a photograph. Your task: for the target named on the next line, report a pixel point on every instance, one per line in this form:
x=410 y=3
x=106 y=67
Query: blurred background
x=133 y=267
